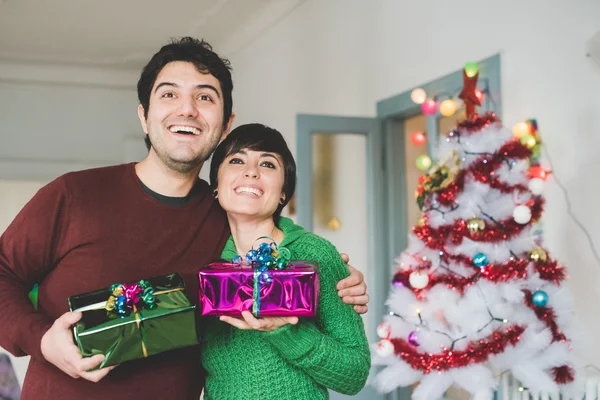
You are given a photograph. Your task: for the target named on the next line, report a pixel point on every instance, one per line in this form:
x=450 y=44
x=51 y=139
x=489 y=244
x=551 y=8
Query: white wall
x=342 y=56
x=56 y=119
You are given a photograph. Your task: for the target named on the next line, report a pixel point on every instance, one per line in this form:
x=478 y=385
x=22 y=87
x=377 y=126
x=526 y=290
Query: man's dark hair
x=257 y=137
x=197 y=52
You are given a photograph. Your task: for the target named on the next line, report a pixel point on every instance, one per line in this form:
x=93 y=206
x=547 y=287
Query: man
x=89 y=229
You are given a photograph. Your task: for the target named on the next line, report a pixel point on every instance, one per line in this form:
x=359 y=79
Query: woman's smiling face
x=251 y=183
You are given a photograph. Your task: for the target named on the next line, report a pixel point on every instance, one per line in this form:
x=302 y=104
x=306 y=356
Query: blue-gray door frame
x=307 y=125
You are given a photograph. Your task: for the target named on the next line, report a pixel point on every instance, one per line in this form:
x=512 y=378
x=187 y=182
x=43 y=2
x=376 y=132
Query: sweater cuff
x=294 y=341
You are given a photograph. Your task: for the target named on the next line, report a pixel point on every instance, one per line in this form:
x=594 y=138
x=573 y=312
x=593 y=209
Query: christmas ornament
x=418 y=279
x=384 y=348
x=540 y=298
x=475 y=226
x=480 y=260
x=418 y=138
x=421 y=220
x=522 y=214
x=538 y=254
x=418 y=96
x=438 y=178
x=384 y=330
x=413 y=339
x=536 y=185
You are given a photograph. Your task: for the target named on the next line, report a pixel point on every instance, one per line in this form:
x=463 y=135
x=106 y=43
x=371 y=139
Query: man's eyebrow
x=211 y=87
x=165 y=84
x=201 y=86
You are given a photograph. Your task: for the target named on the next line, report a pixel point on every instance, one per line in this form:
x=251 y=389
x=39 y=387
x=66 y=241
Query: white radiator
x=511 y=389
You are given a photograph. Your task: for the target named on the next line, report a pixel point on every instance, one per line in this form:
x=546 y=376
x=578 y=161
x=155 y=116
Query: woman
x=253 y=174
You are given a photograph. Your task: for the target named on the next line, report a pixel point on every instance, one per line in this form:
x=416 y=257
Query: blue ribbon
x=267 y=257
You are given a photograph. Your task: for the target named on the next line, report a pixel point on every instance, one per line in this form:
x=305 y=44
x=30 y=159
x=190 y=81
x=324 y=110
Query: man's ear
x=142 y=118
x=228 y=126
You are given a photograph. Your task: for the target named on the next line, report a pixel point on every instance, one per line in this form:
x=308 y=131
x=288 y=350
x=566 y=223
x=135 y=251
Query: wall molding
x=44 y=170
x=56 y=74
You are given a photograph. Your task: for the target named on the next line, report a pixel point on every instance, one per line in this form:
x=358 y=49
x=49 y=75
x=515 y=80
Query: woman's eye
x=268 y=164
x=236 y=160
x=168 y=95
x=205 y=97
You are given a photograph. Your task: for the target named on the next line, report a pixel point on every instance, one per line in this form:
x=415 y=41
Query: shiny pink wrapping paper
x=227 y=289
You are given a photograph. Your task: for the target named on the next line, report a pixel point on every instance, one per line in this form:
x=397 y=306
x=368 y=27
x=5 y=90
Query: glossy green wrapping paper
x=170 y=324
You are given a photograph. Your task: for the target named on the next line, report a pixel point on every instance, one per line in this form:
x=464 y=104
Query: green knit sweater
x=295 y=361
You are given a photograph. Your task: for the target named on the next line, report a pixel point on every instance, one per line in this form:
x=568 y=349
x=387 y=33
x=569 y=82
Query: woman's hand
x=266 y=324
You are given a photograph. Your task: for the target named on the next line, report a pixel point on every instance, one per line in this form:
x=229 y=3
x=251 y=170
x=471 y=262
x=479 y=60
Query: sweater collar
x=291 y=233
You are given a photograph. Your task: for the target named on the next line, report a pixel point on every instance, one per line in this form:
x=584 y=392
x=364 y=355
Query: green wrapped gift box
x=135 y=320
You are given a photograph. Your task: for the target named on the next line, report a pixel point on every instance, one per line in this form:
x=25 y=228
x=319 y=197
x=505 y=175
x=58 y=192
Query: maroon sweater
x=87 y=230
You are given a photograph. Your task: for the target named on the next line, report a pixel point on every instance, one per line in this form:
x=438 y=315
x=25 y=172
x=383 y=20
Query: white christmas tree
x=475 y=294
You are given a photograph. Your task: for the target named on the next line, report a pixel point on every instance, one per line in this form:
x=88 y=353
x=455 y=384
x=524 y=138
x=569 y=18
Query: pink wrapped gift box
x=228 y=289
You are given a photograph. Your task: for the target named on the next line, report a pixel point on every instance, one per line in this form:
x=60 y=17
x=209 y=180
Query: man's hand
x=266 y=324
x=353 y=289
x=58 y=348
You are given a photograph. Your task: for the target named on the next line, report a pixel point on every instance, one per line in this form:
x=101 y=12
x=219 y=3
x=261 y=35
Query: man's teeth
x=184 y=129
x=250 y=190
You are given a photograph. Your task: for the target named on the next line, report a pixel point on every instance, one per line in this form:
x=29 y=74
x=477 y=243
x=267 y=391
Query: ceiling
x=125 y=33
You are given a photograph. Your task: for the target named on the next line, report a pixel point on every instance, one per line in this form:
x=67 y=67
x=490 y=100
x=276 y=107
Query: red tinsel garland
x=551 y=271
x=447 y=196
x=512 y=269
x=515 y=268
x=563 y=375
x=483 y=170
x=478 y=122
x=495 y=183
x=476 y=351
x=489 y=163
x=436 y=238
x=545 y=314
x=452 y=281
